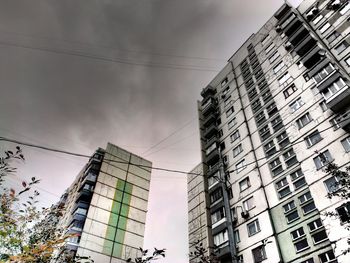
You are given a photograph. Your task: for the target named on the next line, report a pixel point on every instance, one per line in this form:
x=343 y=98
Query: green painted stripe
x=119 y=213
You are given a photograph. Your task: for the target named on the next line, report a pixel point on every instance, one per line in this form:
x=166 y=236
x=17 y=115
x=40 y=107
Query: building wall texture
x=269 y=122
x=107 y=205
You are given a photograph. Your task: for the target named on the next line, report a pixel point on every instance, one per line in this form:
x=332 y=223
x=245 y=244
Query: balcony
x=210 y=118
x=344 y=121
x=209 y=107
x=223 y=253
x=298 y=36
x=313 y=57
x=340 y=100
x=208 y=91
x=318 y=67
x=213 y=168
x=328 y=81
x=305 y=46
x=213 y=156
x=84 y=195
x=292 y=27
x=211 y=141
x=282 y=12
x=210 y=131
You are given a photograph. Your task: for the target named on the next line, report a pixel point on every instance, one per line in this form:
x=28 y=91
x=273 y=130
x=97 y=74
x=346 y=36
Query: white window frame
x=244 y=184
x=289 y=207
x=313 y=138
x=278 y=67
x=248 y=204
x=299 y=233
x=274 y=57
x=346 y=144
x=284 y=79
x=237 y=150
x=269 y=48
x=345 y=8
x=256 y=226
x=295 y=105
x=316 y=223
x=317 y=19
x=231 y=123
x=305 y=198
x=235 y=136
x=324 y=27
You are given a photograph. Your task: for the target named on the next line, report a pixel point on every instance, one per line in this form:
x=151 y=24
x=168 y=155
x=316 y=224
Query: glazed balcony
x=213 y=156
x=344 y=121
x=208 y=107
x=210 y=118
x=211 y=141
x=84 y=195
x=223 y=252
x=305 y=46
x=282 y=12
x=208 y=91
x=340 y=100
x=210 y=131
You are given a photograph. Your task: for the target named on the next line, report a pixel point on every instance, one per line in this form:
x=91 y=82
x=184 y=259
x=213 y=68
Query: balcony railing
x=340 y=100
x=344 y=121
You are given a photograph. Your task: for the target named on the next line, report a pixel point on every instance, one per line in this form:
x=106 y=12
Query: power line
x=113 y=48
x=106 y=59
x=167 y=137
x=88 y=156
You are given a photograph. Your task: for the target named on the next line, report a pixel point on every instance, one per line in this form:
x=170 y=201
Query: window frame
x=256 y=225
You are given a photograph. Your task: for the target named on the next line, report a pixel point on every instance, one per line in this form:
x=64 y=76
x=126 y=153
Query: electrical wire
x=147 y=166
x=110 y=47
x=106 y=59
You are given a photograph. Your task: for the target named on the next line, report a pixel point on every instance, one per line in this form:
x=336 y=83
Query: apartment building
x=269 y=123
x=106 y=206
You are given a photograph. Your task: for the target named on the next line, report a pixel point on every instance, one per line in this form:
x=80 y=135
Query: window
x=282 y=139
x=259 y=254
x=253 y=227
x=296 y=234
x=340 y=48
x=310 y=260
x=222 y=146
x=334 y=122
x=313 y=138
x=324 y=27
x=248 y=204
x=244 y=184
x=228 y=101
x=317 y=19
x=274 y=56
x=282 y=187
x=265 y=40
x=323 y=106
x=270 y=148
x=276 y=167
x=215 y=196
x=289 y=91
x=237 y=150
x=81 y=211
x=269 y=48
x=240 y=166
x=218 y=215
x=323 y=73
x=291 y=217
x=225 y=91
x=301 y=245
x=308 y=208
x=213 y=179
x=322 y=159
x=278 y=67
x=210 y=148
x=229 y=111
x=346 y=144
x=344 y=212
x=231 y=123
x=221 y=133
x=305 y=197
x=328 y=257
x=240 y=259
x=237 y=237
x=234 y=136
x=290 y=158
x=289 y=206
x=319 y=237
x=282 y=80
x=298 y=179
x=332 y=184
x=304 y=120
x=224 y=82
x=345 y=8
x=314 y=225
x=347 y=61
x=221 y=238
x=333 y=36
x=296 y=104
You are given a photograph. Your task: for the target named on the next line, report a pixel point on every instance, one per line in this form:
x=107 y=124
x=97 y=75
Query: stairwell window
x=229 y=111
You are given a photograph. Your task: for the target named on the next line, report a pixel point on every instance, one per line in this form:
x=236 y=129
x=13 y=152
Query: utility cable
x=106 y=59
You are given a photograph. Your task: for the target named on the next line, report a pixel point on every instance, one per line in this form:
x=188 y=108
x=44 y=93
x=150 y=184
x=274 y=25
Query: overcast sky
x=76 y=74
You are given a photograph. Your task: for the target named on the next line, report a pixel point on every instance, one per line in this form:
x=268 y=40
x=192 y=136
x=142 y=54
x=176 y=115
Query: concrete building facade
x=269 y=123
x=106 y=206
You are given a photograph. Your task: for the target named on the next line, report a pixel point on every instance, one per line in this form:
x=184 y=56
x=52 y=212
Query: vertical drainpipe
x=261 y=183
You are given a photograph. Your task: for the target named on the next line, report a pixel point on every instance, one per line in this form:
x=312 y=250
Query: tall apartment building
x=269 y=122
x=106 y=206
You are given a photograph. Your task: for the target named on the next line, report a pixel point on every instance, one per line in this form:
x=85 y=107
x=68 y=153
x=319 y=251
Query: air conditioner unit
x=245 y=214
x=223 y=95
x=278 y=29
x=234 y=220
